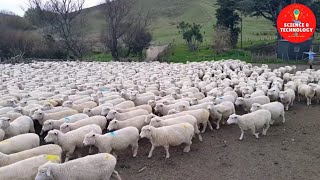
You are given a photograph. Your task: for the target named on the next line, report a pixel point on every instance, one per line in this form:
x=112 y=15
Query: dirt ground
x=289 y=151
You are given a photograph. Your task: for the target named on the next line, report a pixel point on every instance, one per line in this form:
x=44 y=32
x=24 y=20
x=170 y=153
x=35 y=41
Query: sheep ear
x=48 y=172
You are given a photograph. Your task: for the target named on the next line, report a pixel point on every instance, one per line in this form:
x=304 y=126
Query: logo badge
x=296 y=23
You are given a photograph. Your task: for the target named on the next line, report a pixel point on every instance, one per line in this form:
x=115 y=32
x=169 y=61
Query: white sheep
x=55 y=124
x=114 y=141
x=145 y=107
x=141 y=100
x=275 y=108
x=138 y=122
x=167 y=136
x=158 y=122
x=113 y=114
x=101 y=121
x=22 y=125
x=220 y=99
x=252 y=121
x=124 y=105
x=306 y=91
x=94 y=111
x=247 y=103
x=257 y=93
x=51 y=149
x=221 y=112
x=69 y=141
x=19 y=143
x=195 y=101
x=164 y=109
x=273 y=93
x=79 y=107
x=287 y=98
x=93 y=167
x=26 y=169
x=42 y=116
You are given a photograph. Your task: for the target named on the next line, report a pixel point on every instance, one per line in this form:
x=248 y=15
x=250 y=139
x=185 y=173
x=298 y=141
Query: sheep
x=94 y=111
x=218 y=100
x=221 y=112
x=69 y=141
x=101 y=121
x=202 y=116
x=306 y=91
x=2 y=134
x=257 y=93
x=93 y=167
x=252 y=121
x=247 y=103
x=273 y=93
x=49 y=108
x=114 y=141
x=22 y=125
x=141 y=100
x=12 y=115
x=51 y=149
x=195 y=101
x=183 y=107
x=275 y=108
x=113 y=114
x=158 y=122
x=79 y=107
x=19 y=143
x=166 y=136
x=124 y=105
x=42 y=116
x=113 y=102
x=26 y=169
x=5 y=110
x=138 y=122
x=163 y=109
x=55 y=124
x=145 y=107
x=287 y=98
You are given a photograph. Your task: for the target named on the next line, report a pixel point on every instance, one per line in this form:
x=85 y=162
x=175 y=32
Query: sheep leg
x=115 y=175
x=210 y=126
x=204 y=127
x=265 y=129
x=253 y=131
x=32 y=129
x=187 y=148
x=241 y=136
x=272 y=121
x=151 y=151
x=283 y=117
x=166 y=147
x=218 y=123
x=135 y=147
x=287 y=107
x=90 y=150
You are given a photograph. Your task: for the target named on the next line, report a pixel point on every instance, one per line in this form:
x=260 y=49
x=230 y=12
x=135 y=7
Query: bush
x=221 y=40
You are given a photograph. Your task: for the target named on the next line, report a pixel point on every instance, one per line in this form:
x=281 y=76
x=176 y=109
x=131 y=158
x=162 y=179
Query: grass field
x=168 y=13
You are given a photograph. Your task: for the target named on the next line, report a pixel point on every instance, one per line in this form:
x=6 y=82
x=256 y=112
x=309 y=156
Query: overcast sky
x=17 y=6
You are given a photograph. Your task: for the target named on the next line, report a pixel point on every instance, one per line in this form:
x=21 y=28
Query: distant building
x=292 y=51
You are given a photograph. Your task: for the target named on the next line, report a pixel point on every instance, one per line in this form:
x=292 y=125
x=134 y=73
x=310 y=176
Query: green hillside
x=168 y=13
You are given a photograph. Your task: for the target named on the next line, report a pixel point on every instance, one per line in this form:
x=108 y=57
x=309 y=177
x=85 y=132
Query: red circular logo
x=296 y=23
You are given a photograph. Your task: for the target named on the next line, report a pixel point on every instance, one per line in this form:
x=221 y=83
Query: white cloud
x=18 y=6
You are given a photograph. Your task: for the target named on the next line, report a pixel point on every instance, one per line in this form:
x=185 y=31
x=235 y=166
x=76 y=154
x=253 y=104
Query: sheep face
x=112 y=114
x=255 y=107
x=47 y=125
x=155 y=122
x=149 y=117
x=247 y=96
x=67 y=104
x=283 y=95
x=87 y=111
x=38 y=115
x=146 y=131
x=105 y=111
x=47 y=106
x=233 y=119
x=194 y=101
x=159 y=107
x=181 y=107
x=4 y=122
x=52 y=136
x=113 y=125
x=239 y=101
x=89 y=139
x=152 y=103
x=44 y=173
x=64 y=128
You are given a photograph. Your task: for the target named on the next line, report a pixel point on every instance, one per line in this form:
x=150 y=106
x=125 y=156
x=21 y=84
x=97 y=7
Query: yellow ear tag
x=107 y=157
x=53 y=158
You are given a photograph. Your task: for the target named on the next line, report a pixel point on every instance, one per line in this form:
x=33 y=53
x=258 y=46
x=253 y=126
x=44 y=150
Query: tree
x=119 y=17
x=228 y=17
x=221 y=39
x=270 y=9
x=63 y=17
x=191 y=33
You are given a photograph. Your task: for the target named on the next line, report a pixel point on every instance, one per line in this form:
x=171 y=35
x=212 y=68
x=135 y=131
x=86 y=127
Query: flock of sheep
x=110 y=106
